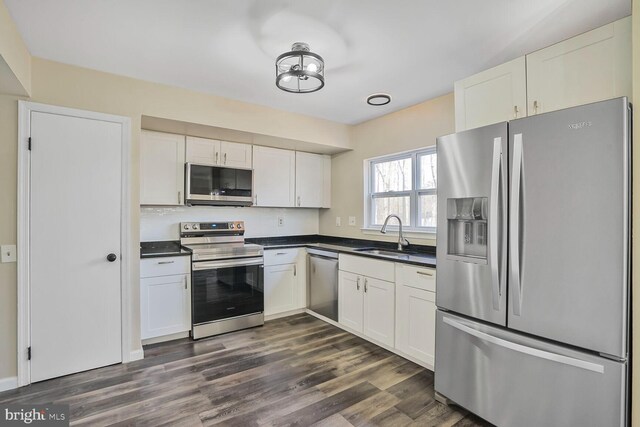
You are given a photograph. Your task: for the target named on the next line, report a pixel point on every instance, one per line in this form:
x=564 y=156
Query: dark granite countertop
x=162 y=249
x=415 y=254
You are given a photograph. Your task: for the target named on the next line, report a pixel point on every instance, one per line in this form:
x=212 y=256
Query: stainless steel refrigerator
x=533 y=293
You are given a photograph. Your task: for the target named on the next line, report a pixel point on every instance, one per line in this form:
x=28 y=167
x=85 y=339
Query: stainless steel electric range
x=227 y=278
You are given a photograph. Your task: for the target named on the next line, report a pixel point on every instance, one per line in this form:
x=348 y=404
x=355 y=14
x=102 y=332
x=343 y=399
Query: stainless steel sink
x=382 y=252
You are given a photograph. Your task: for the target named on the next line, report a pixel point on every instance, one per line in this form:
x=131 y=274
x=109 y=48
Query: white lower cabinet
x=165 y=300
x=416 y=312
x=280 y=290
x=284 y=280
x=379 y=310
x=367 y=304
x=350 y=301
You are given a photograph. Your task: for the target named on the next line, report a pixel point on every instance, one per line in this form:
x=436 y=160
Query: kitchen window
x=403 y=184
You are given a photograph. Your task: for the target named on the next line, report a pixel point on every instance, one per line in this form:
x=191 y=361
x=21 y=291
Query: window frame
x=414 y=193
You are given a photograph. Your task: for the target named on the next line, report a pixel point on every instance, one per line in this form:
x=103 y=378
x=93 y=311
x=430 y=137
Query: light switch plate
x=338 y=221
x=8 y=253
x=352 y=220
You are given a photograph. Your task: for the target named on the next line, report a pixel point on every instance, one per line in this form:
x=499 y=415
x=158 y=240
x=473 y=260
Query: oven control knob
x=239 y=226
x=187 y=227
x=231 y=226
x=196 y=226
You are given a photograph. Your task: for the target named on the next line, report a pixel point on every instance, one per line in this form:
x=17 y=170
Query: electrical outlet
x=280 y=221
x=352 y=220
x=338 y=221
x=8 y=253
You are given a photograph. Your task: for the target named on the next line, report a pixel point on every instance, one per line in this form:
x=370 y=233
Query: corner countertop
x=163 y=248
x=416 y=254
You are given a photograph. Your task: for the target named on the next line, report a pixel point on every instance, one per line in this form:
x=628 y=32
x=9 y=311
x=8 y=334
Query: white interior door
x=74 y=225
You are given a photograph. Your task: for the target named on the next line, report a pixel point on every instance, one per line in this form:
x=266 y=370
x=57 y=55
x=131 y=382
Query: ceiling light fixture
x=300 y=70
x=378 y=99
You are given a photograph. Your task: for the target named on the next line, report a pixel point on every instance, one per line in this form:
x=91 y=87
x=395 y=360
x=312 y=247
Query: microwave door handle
x=494 y=224
x=514 y=225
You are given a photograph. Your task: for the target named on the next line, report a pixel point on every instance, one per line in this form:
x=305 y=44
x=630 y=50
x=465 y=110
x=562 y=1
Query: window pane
x=428 y=171
x=428 y=210
x=383 y=206
x=395 y=175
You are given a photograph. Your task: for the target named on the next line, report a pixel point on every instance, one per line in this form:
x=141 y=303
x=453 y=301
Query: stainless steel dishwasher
x=323 y=283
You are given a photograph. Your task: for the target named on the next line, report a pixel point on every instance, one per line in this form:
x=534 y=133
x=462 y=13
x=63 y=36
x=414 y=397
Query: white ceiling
x=411 y=49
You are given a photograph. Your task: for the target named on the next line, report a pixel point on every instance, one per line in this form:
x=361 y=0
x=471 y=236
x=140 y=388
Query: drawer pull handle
x=281 y=253
x=166 y=262
x=424 y=273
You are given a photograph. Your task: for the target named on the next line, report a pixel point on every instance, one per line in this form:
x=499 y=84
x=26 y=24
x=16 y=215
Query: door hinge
x=29 y=145
x=29 y=353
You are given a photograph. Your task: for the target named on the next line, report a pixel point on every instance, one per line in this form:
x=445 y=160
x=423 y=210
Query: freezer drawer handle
x=496 y=289
x=514 y=225
x=582 y=364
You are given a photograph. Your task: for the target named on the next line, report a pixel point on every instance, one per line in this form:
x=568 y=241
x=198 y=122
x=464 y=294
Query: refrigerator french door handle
x=514 y=225
x=496 y=289
x=542 y=354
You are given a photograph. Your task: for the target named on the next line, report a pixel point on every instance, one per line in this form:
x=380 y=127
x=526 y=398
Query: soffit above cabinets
x=224 y=134
x=413 y=50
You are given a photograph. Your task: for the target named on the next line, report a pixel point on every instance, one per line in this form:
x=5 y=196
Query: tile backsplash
x=161 y=223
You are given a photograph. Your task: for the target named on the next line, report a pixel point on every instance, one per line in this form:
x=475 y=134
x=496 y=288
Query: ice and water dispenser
x=467 y=229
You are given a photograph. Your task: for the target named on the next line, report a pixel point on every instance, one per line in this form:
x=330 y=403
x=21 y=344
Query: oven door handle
x=210 y=265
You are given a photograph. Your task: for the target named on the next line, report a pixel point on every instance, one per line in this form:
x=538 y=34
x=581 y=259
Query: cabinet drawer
x=165 y=266
x=383 y=270
x=281 y=256
x=416 y=277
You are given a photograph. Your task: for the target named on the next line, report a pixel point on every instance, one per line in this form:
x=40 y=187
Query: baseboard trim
x=136 y=355
x=164 y=338
x=8 y=383
x=285 y=314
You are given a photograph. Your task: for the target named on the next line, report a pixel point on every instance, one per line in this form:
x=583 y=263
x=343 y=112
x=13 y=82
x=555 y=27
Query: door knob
x=111 y=257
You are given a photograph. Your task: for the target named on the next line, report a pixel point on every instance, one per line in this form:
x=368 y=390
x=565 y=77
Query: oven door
x=227 y=288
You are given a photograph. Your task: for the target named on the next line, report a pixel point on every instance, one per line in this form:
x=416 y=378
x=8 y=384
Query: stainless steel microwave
x=218 y=186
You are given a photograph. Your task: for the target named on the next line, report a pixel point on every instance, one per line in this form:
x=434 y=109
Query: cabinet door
x=350 y=300
x=165 y=305
x=203 y=151
x=591 y=67
x=492 y=96
x=161 y=168
x=309 y=180
x=280 y=290
x=416 y=323
x=273 y=177
x=235 y=155
x=379 y=310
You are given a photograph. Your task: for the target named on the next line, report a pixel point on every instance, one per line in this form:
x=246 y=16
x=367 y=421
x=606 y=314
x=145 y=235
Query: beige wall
x=408 y=129
x=8 y=184
x=635 y=249
x=69 y=86
x=13 y=50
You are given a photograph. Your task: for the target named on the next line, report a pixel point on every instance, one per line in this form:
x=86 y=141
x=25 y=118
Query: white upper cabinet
x=161 y=168
x=492 y=96
x=218 y=153
x=235 y=155
x=203 y=151
x=273 y=177
x=591 y=67
x=313 y=180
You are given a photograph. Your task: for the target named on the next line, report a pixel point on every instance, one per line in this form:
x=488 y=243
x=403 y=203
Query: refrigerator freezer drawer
x=513 y=380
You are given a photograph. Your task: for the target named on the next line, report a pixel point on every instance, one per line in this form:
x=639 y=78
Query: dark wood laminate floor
x=292 y=371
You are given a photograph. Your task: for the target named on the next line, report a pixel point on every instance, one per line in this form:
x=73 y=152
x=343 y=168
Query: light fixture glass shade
x=300 y=70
